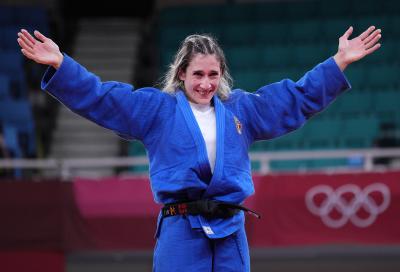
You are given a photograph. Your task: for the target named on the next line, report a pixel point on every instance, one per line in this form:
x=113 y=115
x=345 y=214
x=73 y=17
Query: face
x=201 y=78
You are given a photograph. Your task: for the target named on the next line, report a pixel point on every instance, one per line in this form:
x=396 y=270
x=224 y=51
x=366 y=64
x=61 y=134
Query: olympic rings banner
x=119 y=213
x=315 y=209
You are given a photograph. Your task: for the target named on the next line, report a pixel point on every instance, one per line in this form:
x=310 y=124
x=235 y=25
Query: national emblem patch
x=238 y=125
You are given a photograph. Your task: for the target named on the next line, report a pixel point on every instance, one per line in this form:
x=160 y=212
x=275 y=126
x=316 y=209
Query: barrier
x=65 y=167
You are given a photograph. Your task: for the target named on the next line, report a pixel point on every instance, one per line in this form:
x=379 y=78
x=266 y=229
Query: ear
x=182 y=75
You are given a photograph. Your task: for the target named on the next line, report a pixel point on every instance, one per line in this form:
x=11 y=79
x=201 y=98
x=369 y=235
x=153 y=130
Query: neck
x=200 y=107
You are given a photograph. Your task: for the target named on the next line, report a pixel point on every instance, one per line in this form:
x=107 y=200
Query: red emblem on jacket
x=238 y=125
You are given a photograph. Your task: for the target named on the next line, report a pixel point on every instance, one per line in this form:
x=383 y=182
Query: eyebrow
x=201 y=71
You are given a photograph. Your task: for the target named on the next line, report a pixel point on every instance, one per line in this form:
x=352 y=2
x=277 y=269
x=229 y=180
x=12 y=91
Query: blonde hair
x=192 y=45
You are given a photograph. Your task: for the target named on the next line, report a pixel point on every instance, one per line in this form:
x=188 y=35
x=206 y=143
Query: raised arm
x=281 y=107
x=113 y=105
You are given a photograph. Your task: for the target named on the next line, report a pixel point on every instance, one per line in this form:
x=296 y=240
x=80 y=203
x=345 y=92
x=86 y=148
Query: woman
x=197 y=133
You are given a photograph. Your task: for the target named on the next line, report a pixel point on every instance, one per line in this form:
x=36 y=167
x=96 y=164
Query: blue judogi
x=179 y=166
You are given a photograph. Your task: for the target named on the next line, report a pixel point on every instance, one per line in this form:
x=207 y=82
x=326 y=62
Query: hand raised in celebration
x=40 y=49
x=355 y=49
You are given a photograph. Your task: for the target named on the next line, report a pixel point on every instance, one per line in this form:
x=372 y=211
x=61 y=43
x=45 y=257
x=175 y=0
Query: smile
x=204 y=92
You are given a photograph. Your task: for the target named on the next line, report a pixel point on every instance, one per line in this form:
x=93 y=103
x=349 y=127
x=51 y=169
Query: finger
x=373 y=49
x=27 y=54
x=23 y=45
x=373 y=42
x=25 y=40
x=372 y=36
x=28 y=36
x=366 y=32
x=348 y=32
x=40 y=36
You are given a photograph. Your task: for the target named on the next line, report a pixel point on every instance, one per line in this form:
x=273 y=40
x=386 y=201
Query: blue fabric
x=179 y=167
x=183 y=248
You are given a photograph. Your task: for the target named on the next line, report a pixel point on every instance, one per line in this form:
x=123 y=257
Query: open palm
x=358 y=47
x=40 y=49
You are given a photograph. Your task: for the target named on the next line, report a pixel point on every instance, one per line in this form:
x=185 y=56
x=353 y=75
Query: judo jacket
x=165 y=124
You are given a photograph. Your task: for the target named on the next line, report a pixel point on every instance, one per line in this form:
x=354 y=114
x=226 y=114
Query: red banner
x=32 y=261
x=115 y=214
x=326 y=209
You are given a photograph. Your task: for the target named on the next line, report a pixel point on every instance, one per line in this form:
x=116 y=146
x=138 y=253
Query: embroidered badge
x=208 y=230
x=238 y=125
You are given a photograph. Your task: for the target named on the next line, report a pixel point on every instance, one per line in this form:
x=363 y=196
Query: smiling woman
x=197 y=133
x=201 y=78
x=202 y=51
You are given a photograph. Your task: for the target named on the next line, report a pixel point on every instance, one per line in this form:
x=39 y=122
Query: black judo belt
x=206 y=208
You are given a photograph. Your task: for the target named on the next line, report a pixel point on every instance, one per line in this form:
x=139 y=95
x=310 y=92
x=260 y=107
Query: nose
x=205 y=84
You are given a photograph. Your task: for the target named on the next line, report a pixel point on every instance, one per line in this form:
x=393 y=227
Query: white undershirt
x=205 y=117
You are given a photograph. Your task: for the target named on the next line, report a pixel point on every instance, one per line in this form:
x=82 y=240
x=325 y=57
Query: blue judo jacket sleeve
x=112 y=105
x=282 y=107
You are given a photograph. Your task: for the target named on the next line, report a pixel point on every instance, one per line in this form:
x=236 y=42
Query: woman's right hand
x=41 y=50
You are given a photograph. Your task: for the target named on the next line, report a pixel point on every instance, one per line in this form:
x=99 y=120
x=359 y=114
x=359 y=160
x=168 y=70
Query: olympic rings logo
x=348 y=209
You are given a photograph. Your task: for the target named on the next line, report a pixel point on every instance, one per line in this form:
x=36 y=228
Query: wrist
x=340 y=61
x=60 y=58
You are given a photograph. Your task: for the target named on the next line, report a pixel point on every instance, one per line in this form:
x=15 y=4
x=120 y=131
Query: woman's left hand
x=355 y=49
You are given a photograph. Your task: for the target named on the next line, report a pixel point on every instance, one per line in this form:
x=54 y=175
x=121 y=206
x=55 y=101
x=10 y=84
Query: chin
x=204 y=101
x=198 y=99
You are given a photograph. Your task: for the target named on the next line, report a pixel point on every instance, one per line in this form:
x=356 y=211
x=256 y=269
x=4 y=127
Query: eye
x=214 y=74
x=198 y=73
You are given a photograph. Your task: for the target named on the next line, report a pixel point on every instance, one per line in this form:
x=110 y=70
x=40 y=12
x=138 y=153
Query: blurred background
x=75 y=197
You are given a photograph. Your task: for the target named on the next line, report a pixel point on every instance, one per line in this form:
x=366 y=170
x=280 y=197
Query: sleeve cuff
x=338 y=74
x=52 y=75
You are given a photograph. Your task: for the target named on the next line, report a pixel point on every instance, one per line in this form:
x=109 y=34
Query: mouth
x=204 y=92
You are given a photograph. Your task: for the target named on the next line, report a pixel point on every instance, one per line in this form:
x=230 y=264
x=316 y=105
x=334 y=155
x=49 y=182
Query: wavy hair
x=192 y=45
